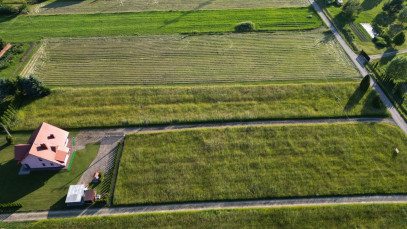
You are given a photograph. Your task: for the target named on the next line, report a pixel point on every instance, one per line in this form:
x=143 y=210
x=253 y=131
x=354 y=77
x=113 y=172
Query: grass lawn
x=169 y=59
x=124 y=106
x=344 y=216
x=261 y=162
x=39 y=190
x=371 y=11
x=32 y=28
x=75 y=7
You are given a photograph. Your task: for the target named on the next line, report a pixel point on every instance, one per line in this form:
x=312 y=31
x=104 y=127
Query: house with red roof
x=46 y=149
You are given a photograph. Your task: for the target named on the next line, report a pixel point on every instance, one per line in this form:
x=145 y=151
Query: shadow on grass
x=61 y=3
x=175 y=20
x=13 y=187
x=370 y=4
x=355 y=99
x=328 y=37
x=371 y=107
x=392 y=53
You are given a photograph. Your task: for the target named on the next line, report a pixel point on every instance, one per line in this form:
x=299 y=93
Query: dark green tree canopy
x=403 y=15
x=34 y=87
x=393 y=7
x=399 y=39
x=397 y=69
x=351 y=7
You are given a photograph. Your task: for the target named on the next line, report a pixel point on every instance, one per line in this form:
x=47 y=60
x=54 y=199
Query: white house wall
x=34 y=163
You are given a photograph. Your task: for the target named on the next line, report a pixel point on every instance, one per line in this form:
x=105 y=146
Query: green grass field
x=261 y=162
x=40 y=190
x=169 y=59
x=124 y=106
x=345 y=216
x=32 y=28
x=75 y=7
x=371 y=10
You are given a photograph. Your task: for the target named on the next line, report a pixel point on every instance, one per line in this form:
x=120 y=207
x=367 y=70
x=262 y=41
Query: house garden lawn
x=371 y=11
x=41 y=190
x=130 y=106
x=32 y=28
x=83 y=7
x=180 y=59
x=342 y=216
x=261 y=163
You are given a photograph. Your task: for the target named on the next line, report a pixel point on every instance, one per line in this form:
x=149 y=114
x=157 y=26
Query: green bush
x=246 y=26
x=9 y=207
x=101 y=176
x=399 y=39
x=10 y=141
x=2 y=43
x=380 y=41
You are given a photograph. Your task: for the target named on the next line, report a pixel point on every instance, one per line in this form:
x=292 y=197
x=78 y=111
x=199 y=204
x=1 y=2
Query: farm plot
x=176 y=59
x=129 y=106
x=76 y=7
x=261 y=162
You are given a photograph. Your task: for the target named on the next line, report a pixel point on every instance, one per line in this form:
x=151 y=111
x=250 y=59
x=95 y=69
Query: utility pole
x=5 y=129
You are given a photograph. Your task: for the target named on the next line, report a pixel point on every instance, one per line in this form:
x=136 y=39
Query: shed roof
x=75 y=193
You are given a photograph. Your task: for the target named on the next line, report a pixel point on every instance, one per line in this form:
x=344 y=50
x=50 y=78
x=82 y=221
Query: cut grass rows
x=261 y=163
x=169 y=59
x=25 y=28
x=80 y=7
x=346 y=216
x=123 y=106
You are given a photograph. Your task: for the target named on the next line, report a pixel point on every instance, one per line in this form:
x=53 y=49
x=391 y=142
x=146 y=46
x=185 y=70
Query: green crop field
x=261 y=162
x=176 y=59
x=345 y=216
x=124 y=106
x=75 y=7
x=32 y=28
x=40 y=190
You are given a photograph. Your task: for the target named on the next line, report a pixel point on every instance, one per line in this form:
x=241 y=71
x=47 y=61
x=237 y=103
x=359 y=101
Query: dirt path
x=386 y=54
x=312 y=201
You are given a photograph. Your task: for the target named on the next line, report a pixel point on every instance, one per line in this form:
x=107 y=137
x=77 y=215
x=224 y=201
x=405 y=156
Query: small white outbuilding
x=75 y=195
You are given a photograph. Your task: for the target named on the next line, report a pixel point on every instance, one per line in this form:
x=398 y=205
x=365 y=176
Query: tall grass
x=345 y=216
x=127 y=106
x=32 y=28
x=261 y=162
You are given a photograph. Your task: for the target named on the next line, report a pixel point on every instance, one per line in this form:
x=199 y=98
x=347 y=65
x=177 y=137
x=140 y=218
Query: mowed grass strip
x=261 y=162
x=75 y=7
x=129 y=106
x=31 y=28
x=169 y=59
x=344 y=216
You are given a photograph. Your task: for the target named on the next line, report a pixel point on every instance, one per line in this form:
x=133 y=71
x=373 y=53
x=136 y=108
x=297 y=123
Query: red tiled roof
x=45 y=142
x=20 y=151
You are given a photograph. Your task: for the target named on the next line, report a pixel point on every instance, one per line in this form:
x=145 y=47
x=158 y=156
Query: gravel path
x=312 y=201
x=386 y=54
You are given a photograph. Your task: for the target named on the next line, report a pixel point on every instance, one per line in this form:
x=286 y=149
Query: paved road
x=386 y=54
x=393 y=111
x=316 y=201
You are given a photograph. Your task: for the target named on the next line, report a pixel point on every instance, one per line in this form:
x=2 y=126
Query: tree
x=397 y=69
x=403 y=16
x=246 y=26
x=351 y=8
x=34 y=87
x=399 y=39
x=393 y=7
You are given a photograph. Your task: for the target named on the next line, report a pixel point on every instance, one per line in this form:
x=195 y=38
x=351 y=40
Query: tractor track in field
x=168 y=208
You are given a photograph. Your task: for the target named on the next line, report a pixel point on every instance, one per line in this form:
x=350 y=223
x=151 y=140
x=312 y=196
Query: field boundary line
x=210 y=205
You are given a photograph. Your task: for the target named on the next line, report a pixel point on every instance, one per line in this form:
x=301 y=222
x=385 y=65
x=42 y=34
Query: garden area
x=271 y=162
x=387 y=18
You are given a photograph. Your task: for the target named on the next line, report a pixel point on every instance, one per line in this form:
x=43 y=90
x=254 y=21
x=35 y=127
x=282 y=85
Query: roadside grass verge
x=261 y=163
x=82 y=7
x=343 y=216
x=130 y=106
x=33 y=28
x=41 y=190
x=179 y=59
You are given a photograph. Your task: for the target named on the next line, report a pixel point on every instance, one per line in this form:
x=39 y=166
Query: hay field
x=177 y=59
x=103 y=6
x=261 y=163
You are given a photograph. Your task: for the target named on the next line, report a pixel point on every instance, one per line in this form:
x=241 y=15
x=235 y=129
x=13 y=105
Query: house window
x=43 y=164
x=52 y=164
x=39 y=159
